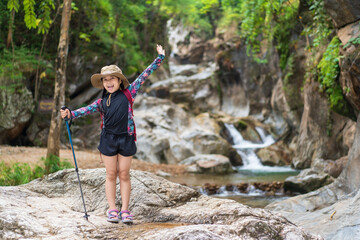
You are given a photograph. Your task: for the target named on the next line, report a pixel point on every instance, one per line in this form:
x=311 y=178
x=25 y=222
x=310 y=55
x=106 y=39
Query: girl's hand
x=65 y=113
x=160 y=49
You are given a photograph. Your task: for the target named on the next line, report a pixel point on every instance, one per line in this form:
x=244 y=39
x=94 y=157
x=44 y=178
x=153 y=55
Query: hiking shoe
x=112 y=215
x=128 y=218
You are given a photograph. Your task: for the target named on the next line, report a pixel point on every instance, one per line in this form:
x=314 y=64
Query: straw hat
x=112 y=70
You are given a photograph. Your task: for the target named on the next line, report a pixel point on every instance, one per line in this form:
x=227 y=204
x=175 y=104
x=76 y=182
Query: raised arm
x=135 y=86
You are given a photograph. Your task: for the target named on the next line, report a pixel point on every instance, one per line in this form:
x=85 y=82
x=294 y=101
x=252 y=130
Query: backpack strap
x=130 y=99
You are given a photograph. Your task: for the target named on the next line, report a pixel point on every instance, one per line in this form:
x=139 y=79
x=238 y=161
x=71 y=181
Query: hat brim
x=96 y=79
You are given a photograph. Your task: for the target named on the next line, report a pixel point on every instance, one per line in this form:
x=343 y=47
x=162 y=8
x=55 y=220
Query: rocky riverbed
x=51 y=208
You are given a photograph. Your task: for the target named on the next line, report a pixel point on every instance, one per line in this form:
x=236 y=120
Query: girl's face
x=111 y=83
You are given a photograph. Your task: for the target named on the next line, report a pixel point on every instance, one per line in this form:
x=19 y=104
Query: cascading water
x=246 y=150
x=240 y=185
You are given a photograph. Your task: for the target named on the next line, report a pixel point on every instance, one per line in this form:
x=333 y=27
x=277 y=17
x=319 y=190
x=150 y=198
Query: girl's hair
x=101 y=102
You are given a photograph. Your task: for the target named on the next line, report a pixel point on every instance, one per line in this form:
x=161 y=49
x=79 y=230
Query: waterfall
x=246 y=149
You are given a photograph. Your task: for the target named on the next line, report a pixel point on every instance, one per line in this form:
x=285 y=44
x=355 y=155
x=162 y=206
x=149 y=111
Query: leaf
x=30 y=17
x=13 y=4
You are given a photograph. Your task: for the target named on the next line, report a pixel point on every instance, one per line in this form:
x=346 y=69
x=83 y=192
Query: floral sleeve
x=135 y=86
x=94 y=107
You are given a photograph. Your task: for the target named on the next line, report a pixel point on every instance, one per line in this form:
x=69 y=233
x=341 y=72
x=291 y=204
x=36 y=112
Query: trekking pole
x=76 y=168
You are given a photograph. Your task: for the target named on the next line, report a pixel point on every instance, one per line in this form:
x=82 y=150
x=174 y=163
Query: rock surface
x=350 y=11
x=15 y=112
x=205 y=163
x=331 y=211
x=51 y=208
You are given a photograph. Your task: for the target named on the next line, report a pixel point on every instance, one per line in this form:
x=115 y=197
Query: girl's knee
x=124 y=175
x=111 y=175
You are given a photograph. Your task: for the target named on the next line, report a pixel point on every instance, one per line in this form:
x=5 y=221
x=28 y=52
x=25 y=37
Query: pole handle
x=66 y=118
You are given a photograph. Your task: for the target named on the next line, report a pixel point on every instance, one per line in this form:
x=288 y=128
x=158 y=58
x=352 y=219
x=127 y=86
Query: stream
x=251 y=172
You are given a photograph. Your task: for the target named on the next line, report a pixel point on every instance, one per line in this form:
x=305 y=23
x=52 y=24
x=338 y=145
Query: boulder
x=334 y=168
x=16 y=109
x=209 y=163
x=307 y=181
x=51 y=208
x=277 y=154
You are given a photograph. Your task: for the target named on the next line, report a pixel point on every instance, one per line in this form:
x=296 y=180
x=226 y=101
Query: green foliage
x=44 y=9
x=54 y=164
x=18 y=173
x=21 y=173
x=198 y=14
x=14 y=66
x=13 y=4
x=328 y=71
x=317 y=34
x=17 y=66
x=44 y=21
x=30 y=16
x=264 y=20
x=321 y=26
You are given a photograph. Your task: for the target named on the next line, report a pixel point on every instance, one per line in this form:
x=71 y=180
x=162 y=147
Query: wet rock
x=266 y=188
x=52 y=208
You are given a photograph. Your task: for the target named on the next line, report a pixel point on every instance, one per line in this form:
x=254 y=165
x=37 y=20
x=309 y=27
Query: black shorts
x=111 y=144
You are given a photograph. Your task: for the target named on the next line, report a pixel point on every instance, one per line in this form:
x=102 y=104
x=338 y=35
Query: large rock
x=168 y=134
x=331 y=210
x=15 y=112
x=285 y=118
x=343 y=11
x=209 y=163
x=317 y=138
x=198 y=92
x=307 y=181
x=51 y=208
x=277 y=154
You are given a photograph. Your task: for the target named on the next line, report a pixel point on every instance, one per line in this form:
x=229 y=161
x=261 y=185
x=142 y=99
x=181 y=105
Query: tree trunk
x=53 y=145
x=10 y=32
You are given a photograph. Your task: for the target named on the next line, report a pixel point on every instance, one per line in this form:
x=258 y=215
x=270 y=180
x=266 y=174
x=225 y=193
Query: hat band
x=109 y=73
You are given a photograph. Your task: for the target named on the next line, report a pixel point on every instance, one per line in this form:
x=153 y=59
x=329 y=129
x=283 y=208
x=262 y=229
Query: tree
x=53 y=144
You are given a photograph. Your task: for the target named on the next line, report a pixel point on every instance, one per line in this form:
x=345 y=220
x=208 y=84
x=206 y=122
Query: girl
x=118 y=136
